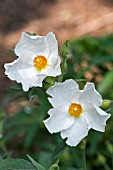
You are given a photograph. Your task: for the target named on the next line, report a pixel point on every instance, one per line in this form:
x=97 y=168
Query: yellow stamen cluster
x=75 y=110
x=40 y=62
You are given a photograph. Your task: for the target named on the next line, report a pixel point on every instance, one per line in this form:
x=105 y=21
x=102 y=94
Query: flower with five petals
x=75 y=111
x=37 y=58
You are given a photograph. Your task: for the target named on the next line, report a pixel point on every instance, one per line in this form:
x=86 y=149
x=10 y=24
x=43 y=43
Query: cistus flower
x=75 y=111
x=37 y=58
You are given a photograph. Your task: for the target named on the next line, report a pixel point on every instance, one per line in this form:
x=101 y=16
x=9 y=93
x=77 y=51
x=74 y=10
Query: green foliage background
x=24 y=132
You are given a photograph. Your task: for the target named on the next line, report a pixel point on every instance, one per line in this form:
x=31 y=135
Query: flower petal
x=76 y=132
x=53 y=69
x=23 y=73
x=53 y=58
x=90 y=94
x=76 y=97
x=29 y=47
x=23 y=70
x=53 y=45
x=59 y=120
x=62 y=92
x=95 y=116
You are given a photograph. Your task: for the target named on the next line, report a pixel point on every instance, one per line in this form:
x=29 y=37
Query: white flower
x=75 y=111
x=37 y=58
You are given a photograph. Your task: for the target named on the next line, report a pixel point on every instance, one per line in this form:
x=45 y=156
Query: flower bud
x=65 y=50
x=35 y=100
x=109 y=147
x=50 y=80
x=101 y=159
x=106 y=104
x=55 y=166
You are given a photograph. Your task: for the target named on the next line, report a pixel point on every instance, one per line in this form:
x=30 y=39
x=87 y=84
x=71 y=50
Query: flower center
x=75 y=110
x=40 y=62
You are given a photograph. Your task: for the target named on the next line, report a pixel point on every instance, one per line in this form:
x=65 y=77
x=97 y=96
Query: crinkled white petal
x=31 y=80
x=95 y=116
x=23 y=73
x=76 y=97
x=62 y=92
x=76 y=132
x=59 y=120
x=92 y=117
x=29 y=47
x=53 y=68
x=51 y=111
x=53 y=45
x=90 y=94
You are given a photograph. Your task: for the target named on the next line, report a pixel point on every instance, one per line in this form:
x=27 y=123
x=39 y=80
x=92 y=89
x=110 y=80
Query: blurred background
x=90 y=25
x=64 y=18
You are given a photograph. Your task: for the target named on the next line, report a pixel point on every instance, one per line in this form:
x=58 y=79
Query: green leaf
x=37 y=165
x=55 y=166
x=16 y=164
x=99 y=60
x=16 y=87
x=59 y=149
x=30 y=135
x=107 y=84
x=73 y=169
x=12 y=51
x=33 y=34
x=95 y=137
x=44 y=158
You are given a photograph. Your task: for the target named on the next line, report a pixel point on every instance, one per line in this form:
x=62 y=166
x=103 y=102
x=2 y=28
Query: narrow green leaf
x=12 y=51
x=59 y=149
x=33 y=34
x=16 y=164
x=74 y=169
x=32 y=131
x=37 y=165
x=16 y=87
x=107 y=85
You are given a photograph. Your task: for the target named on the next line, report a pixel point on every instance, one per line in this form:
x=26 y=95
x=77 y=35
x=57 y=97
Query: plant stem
x=112 y=160
x=83 y=146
